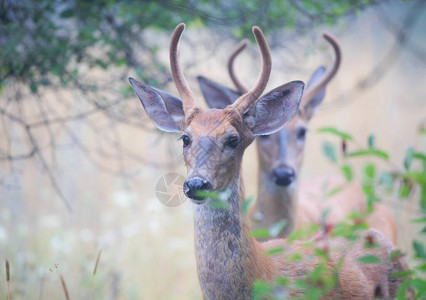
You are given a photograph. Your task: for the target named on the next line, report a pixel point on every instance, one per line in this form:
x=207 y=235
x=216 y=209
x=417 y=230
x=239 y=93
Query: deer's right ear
x=311 y=106
x=274 y=110
x=217 y=95
x=164 y=110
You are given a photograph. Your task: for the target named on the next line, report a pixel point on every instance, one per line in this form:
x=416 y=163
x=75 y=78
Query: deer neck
x=228 y=258
x=275 y=203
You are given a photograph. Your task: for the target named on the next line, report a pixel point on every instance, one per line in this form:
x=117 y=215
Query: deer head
x=281 y=153
x=214 y=139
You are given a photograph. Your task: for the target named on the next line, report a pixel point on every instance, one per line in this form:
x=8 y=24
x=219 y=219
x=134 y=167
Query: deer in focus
x=280 y=156
x=228 y=258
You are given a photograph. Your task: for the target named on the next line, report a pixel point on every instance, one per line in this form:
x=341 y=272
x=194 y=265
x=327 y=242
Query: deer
x=228 y=258
x=280 y=157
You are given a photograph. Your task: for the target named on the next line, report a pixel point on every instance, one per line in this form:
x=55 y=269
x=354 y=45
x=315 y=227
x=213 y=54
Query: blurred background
x=80 y=161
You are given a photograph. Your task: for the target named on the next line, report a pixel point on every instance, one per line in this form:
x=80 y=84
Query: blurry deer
x=228 y=258
x=280 y=196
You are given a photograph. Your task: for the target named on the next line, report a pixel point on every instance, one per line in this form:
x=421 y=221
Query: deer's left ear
x=272 y=111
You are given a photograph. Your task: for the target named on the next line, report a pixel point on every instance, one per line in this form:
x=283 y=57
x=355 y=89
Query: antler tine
x=178 y=77
x=246 y=100
x=240 y=86
x=310 y=93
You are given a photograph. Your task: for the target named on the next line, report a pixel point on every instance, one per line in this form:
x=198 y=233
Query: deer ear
x=217 y=95
x=164 y=110
x=272 y=111
x=311 y=106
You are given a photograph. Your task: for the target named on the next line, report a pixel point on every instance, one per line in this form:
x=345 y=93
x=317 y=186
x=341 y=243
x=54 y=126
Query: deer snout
x=283 y=175
x=193 y=186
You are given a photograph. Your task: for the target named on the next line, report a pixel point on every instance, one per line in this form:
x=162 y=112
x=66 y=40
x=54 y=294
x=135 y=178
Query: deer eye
x=232 y=141
x=185 y=139
x=301 y=134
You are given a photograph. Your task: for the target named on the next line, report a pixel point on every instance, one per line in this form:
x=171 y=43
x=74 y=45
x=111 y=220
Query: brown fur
x=229 y=259
x=304 y=204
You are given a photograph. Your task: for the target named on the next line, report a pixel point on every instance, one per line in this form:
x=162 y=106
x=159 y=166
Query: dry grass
x=97 y=262
x=64 y=287
x=8 y=278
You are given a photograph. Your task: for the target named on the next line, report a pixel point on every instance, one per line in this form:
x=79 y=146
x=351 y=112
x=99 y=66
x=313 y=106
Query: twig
x=97 y=262
x=8 y=278
x=64 y=286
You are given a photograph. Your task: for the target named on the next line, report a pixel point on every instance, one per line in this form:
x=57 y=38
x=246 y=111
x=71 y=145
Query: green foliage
x=336 y=132
x=275 y=251
x=371 y=141
x=246 y=205
x=276 y=228
x=347 y=172
x=376 y=183
x=407 y=180
x=369 y=259
x=369 y=152
x=45 y=41
x=272 y=231
x=329 y=151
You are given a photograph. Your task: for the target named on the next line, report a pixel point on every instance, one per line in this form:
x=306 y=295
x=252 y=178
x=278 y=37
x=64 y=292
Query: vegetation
x=46 y=42
x=403 y=180
x=52 y=46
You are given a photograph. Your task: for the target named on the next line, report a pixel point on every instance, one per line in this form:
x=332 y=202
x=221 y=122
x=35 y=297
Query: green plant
x=406 y=181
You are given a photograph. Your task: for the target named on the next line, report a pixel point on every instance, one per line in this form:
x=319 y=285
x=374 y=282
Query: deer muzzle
x=194 y=188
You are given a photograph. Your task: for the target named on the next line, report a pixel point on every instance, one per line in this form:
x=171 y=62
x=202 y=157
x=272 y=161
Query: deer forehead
x=212 y=123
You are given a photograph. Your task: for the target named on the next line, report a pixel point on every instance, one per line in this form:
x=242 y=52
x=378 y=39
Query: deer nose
x=284 y=176
x=193 y=186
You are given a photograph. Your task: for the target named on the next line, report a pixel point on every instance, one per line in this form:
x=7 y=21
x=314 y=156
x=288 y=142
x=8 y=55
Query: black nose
x=284 y=176
x=194 y=185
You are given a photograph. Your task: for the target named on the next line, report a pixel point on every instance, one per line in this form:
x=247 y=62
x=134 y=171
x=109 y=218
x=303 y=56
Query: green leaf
x=404 y=190
x=369 y=152
x=295 y=257
x=401 y=295
x=419 y=220
x=282 y=281
x=419 y=285
x=68 y=13
x=335 y=191
x=419 y=156
x=275 y=251
x=260 y=233
x=347 y=172
x=336 y=132
x=404 y=273
x=329 y=151
x=386 y=179
x=408 y=158
x=276 y=228
x=260 y=289
x=395 y=254
x=419 y=249
x=218 y=204
x=33 y=87
x=369 y=259
x=246 y=205
x=370 y=171
x=421 y=268
x=419 y=177
x=371 y=141
x=207 y=194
